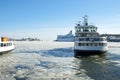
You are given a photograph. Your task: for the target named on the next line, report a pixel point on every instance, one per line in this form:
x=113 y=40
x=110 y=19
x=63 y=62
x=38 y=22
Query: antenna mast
x=85 y=20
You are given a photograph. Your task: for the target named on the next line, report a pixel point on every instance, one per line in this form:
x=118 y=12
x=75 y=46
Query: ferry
x=6 y=45
x=65 y=38
x=87 y=40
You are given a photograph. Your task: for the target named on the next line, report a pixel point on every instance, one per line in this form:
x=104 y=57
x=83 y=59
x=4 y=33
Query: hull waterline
x=87 y=52
x=6 y=51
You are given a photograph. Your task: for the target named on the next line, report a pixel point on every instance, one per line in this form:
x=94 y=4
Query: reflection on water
x=5 y=64
x=55 y=61
x=99 y=68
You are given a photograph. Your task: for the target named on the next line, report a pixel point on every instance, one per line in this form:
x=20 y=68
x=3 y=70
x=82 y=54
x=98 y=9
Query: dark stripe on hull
x=78 y=53
x=5 y=52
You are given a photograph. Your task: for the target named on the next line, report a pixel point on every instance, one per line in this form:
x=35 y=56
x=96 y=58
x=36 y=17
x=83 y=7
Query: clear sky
x=46 y=19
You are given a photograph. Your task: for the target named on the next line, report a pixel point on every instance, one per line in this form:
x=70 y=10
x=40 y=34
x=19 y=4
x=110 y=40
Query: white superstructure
x=87 y=40
x=5 y=45
x=66 y=38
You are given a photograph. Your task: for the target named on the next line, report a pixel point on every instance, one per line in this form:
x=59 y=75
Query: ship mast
x=85 y=20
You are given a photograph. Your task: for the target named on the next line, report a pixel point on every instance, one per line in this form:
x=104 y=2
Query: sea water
x=48 y=60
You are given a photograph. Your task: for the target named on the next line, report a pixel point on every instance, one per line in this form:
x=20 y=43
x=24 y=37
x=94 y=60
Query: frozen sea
x=47 y=60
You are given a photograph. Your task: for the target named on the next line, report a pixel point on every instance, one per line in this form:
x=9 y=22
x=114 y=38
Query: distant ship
x=66 y=38
x=6 y=45
x=87 y=40
x=114 y=39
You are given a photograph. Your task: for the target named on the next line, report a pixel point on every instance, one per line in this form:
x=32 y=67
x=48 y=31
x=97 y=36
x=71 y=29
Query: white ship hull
x=86 y=50
x=89 y=50
x=65 y=38
x=78 y=53
x=6 y=49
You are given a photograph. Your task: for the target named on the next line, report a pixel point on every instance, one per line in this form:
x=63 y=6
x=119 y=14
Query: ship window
x=10 y=44
x=84 y=39
x=4 y=45
x=105 y=44
x=79 y=44
x=95 y=44
x=87 y=39
x=91 y=44
x=102 y=44
x=96 y=39
x=102 y=39
x=82 y=44
x=99 y=44
x=79 y=39
x=87 y=44
x=1 y=44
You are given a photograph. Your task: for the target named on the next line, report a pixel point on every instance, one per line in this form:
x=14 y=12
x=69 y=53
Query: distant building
x=25 y=39
x=66 y=38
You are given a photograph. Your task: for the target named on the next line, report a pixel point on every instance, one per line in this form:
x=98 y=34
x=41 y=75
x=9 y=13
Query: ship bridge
x=85 y=30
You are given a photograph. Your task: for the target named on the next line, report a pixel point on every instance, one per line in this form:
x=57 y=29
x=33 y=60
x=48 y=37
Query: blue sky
x=46 y=19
